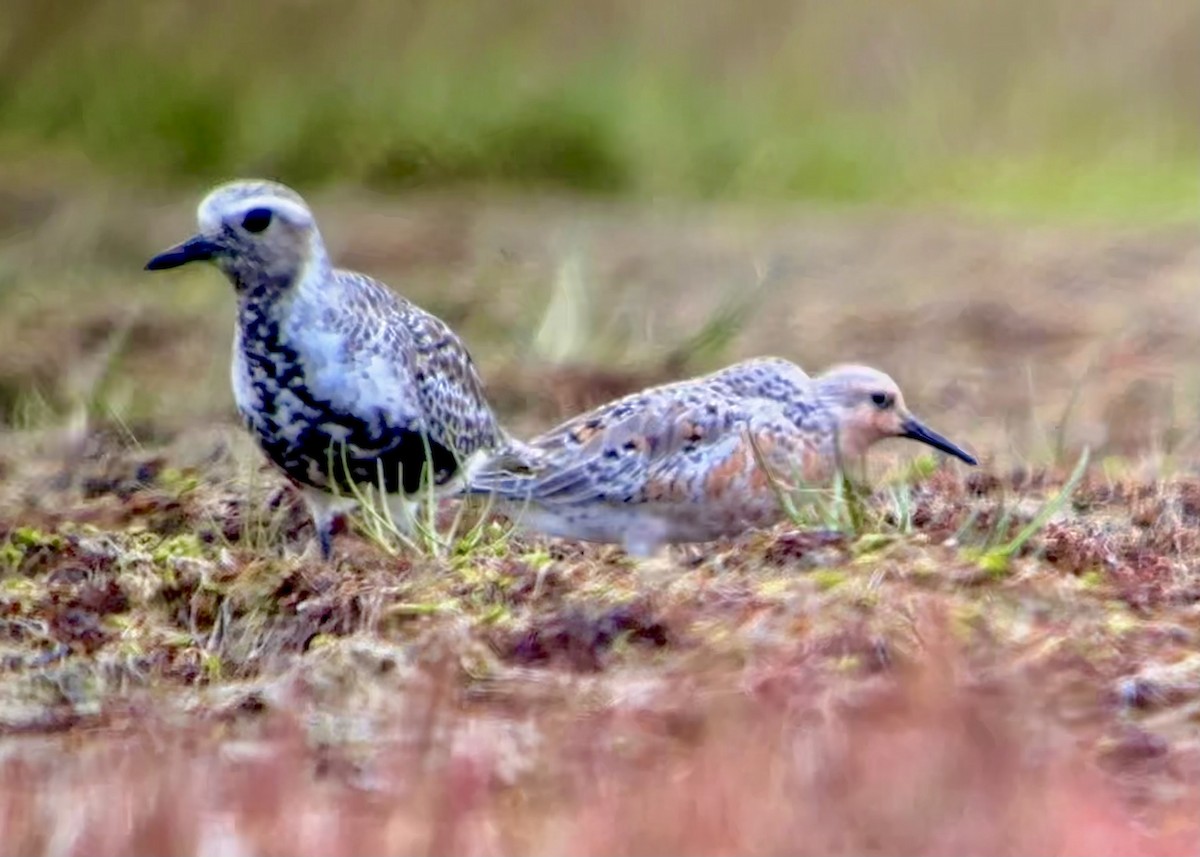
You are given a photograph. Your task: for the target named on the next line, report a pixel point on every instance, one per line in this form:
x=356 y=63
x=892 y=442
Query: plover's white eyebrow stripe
x=286 y=208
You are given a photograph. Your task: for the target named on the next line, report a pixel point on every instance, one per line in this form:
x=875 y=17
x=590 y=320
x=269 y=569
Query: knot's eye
x=883 y=401
x=256 y=219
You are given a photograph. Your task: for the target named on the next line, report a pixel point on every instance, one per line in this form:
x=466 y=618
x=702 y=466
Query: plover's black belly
x=309 y=452
x=327 y=448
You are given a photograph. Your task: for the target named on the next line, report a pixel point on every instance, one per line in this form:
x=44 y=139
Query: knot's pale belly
x=673 y=523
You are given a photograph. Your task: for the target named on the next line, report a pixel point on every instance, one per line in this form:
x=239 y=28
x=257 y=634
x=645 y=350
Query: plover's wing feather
x=451 y=392
x=424 y=376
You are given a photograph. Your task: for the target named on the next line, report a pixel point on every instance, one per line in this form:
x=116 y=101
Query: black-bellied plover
x=341 y=381
x=684 y=462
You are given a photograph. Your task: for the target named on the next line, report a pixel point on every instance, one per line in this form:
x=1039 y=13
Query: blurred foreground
x=943 y=759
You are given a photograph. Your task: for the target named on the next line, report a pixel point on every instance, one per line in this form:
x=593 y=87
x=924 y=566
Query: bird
x=340 y=380
x=697 y=460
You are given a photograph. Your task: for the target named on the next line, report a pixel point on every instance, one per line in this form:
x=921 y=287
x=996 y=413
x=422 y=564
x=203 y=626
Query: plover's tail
x=502 y=471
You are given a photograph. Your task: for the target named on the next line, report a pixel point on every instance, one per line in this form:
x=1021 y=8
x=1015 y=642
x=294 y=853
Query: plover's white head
x=260 y=233
x=867 y=407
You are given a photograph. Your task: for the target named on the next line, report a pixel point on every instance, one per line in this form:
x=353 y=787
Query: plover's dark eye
x=883 y=401
x=256 y=219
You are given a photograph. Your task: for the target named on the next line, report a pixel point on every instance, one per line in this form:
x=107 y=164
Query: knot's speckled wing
x=773 y=378
x=619 y=454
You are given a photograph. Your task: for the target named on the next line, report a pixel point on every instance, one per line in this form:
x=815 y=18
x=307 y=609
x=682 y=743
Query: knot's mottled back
x=697 y=459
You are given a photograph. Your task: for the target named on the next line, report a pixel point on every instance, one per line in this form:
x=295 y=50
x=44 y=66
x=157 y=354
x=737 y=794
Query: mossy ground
x=175 y=669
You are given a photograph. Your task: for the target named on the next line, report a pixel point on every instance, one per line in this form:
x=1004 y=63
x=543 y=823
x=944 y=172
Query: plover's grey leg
x=404 y=512
x=325 y=509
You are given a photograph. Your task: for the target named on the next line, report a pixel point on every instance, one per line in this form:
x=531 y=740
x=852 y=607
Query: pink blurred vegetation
x=930 y=760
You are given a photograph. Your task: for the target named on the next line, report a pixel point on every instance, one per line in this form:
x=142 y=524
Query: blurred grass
x=1027 y=108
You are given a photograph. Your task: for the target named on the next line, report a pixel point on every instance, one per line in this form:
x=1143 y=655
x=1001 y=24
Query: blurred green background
x=1027 y=108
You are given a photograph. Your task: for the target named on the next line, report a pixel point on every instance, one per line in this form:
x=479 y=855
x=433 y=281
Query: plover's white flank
x=339 y=379
x=680 y=462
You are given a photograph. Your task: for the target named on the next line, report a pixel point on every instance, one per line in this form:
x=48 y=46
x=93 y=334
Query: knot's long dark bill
x=196 y=249
x=915 y=431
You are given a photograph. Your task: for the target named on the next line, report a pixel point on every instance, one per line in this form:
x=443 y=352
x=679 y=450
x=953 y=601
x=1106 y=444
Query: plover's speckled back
x=680 y=462
x=339 y=379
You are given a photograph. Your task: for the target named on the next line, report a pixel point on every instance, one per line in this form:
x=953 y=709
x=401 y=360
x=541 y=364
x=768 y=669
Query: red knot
x=683 y=462
x=340 y=380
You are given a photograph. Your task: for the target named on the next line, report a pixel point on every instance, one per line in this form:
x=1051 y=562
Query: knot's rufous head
x=868 y=407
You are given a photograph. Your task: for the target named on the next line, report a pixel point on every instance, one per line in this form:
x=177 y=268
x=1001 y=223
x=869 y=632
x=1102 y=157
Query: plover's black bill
x=197 y=249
